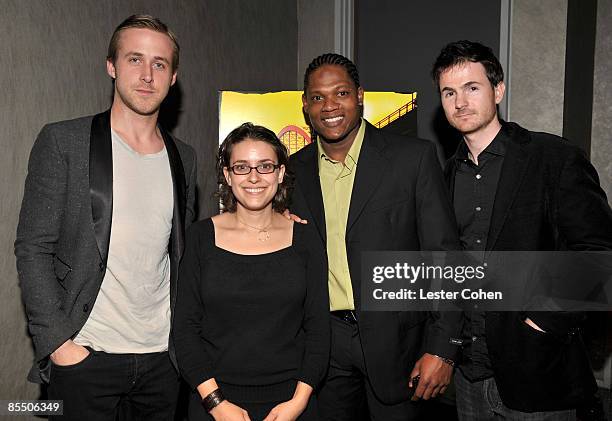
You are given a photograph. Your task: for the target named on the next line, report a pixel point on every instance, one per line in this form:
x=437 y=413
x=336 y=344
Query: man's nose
x=330 y=104
x=460 y=101
x=147 y=74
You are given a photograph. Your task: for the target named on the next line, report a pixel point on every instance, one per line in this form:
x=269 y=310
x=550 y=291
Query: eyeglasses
x=244 y=169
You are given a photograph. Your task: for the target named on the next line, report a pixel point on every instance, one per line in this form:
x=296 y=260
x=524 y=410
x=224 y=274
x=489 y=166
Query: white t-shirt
x=132 y=311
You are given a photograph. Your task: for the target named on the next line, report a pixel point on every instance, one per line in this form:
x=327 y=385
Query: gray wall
x=53 y=69
x=537 y=75
x=315 y=33
x=601 y=146
x=538 y=64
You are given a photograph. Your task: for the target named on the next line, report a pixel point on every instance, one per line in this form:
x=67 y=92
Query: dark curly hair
x=251 y=131
x=463 y=51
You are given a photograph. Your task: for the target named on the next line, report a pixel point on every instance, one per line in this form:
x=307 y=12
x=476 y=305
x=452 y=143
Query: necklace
x=262 y=232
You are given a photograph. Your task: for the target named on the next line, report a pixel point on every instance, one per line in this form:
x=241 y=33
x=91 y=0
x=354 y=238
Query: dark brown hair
x=239 y=134
x=460 y=52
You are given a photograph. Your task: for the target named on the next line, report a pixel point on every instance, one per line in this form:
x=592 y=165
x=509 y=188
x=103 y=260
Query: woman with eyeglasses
x=251 y=328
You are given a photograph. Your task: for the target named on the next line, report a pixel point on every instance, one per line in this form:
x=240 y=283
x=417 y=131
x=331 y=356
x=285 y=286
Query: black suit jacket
x=548 y=198
x=399 y=202
x=64 y=227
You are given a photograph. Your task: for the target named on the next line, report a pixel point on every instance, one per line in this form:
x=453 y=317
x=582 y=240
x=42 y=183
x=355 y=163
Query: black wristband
x=212 y=400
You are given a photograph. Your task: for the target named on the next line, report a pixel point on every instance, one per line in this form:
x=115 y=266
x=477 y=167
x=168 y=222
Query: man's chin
x=145 y=111
x=467 y=129
x=332 y=141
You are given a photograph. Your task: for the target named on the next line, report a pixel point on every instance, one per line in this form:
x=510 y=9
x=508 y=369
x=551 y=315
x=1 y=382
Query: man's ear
x=500 y=90
x=110 y=69
x=360 y=96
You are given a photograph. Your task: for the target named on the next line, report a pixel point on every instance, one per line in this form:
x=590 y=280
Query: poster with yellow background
x=281 y=112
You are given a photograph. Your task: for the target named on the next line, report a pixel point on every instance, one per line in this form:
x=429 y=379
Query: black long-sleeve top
x=252 y=319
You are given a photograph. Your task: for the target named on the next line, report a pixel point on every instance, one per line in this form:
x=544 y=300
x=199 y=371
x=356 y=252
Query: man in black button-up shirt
x=517 y=190
x=475 y=186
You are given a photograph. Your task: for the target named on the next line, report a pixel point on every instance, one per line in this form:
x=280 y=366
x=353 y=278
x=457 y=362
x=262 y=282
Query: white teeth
x=333 y=119
x=253 y=190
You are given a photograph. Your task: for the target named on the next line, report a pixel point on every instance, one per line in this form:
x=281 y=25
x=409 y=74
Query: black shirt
x=473 y=198
x=251 y=320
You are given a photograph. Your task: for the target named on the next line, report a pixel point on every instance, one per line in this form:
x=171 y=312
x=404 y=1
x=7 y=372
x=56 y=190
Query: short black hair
x=335 y=60
x=459 y=52
x=251 y=131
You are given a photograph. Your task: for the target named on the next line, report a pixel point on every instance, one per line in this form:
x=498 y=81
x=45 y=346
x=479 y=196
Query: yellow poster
x=281 y=112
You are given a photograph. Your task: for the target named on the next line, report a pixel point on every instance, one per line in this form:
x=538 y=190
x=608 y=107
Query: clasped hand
x=286 y=411
x=434 y=376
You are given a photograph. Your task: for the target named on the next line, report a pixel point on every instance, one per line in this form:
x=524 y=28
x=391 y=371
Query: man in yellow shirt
x=365 y=189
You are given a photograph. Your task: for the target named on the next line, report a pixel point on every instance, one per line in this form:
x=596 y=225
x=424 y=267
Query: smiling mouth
x=332 y=121
x=254 y=190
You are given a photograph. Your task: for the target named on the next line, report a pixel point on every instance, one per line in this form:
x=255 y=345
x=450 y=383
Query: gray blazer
x=64 y=227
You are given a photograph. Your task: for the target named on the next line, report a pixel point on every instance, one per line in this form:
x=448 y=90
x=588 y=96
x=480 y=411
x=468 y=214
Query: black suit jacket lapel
x=308 y=177
x=177 y=241
x=512 y=174
x=370 y=168
x=450 y=170
x=101 y=180
x=101 y=185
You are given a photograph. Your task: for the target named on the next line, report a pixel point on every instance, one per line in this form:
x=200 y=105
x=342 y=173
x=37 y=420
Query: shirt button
x=478 y=208
x=478 y=176
x=102 y=267
x=85 y=308
x=478 y=241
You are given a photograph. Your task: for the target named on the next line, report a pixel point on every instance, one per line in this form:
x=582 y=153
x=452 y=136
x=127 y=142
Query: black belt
x=346 y=315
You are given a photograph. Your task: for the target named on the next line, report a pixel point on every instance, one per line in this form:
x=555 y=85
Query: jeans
x=108 y=387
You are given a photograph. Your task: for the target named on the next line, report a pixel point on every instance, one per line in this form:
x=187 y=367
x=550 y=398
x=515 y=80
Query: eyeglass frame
x=256 y=168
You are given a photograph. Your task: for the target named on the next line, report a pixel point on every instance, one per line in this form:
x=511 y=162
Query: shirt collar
x=496 y=147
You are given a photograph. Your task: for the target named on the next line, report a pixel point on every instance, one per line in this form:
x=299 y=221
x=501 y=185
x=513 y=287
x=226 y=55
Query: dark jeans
x=347 y=394
x=109 y=387
x=480 y=401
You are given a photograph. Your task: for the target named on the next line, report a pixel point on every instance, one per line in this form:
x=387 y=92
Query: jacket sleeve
x=40 y=221
x=583 y=221
x=584 y=218
x=437 y=232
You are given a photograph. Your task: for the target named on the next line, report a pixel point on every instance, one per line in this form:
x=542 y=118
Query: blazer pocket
x=61 y=269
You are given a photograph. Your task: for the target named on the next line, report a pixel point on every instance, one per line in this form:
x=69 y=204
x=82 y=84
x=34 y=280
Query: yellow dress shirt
x=337 y=180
